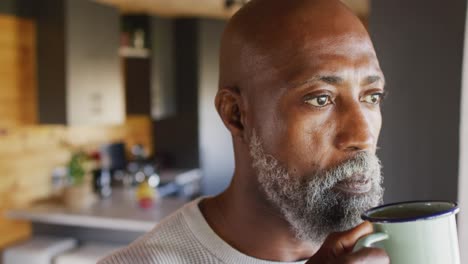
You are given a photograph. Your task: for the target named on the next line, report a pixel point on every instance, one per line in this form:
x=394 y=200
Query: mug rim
x=453 y=210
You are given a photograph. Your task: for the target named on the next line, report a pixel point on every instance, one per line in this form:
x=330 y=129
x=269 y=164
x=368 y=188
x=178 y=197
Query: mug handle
x=370 y=239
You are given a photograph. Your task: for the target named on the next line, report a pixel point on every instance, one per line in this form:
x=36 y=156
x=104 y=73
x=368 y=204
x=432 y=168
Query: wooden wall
x=17 y=72
x=29 y=151
x=28 y=154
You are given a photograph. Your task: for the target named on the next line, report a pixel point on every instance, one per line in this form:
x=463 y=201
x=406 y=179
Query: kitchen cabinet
x=149 y=70
x=79 y=70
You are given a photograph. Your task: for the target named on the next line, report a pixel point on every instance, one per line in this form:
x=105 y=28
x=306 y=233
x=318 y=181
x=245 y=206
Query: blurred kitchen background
x=107 y=122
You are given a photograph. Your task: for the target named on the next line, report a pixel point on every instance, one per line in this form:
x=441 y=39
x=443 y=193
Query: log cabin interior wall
x=29 y=151
x=17 y=72
x=28 y=154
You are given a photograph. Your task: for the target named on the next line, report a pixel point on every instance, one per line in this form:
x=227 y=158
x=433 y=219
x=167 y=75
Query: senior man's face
x=317 y=129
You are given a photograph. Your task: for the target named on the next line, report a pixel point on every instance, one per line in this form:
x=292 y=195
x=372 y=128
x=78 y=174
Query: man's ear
x=230 y=107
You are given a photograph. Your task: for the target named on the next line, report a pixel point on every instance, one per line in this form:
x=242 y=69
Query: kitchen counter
x=117 y=219
x=120 y=212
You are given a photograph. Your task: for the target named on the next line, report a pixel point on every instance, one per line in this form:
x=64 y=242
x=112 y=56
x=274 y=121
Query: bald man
x=300 y=91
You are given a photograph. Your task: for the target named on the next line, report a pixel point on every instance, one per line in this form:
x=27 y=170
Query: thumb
x=340 y=243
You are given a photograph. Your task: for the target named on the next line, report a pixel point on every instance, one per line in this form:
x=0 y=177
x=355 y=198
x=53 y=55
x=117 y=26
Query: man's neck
x=249 y=223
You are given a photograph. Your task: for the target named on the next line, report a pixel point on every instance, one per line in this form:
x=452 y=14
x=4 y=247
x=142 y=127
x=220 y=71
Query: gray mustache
x=365 y=165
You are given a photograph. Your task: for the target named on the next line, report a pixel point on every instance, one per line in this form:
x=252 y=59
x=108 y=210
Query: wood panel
x=201 y=8
x=18 y=93
x=13 y=231
x=28 y=154
x=174 y=8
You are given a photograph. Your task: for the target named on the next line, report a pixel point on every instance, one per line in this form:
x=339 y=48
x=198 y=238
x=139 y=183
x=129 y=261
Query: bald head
x=282 y=61
x=267 y=36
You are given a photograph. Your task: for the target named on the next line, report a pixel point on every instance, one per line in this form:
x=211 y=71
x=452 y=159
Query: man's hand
x=338 y=247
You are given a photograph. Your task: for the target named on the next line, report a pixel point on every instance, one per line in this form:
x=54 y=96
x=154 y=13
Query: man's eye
x=320 y=101
x=374 y=99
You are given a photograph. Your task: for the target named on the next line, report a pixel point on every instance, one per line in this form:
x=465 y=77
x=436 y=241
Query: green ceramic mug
x=419 y=232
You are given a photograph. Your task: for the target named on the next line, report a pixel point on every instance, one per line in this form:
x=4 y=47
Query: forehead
x=348 y=57
x=344 y=55
x=350 y=46
x=347 y=47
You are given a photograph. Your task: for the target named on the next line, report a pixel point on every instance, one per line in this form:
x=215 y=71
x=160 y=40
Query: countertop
x=118 y=212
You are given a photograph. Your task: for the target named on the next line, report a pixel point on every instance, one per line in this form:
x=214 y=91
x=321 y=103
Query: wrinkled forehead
x=350 y=45
x=289 y=60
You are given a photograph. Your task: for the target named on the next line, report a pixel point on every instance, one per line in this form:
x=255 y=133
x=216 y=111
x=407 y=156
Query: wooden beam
x=201 y=8
x=175 y=8
x=360 y=7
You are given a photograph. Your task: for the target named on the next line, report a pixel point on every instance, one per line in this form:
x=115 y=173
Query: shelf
x=129 y=52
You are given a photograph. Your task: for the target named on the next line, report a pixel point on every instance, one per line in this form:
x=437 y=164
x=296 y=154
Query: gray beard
x=309 y=204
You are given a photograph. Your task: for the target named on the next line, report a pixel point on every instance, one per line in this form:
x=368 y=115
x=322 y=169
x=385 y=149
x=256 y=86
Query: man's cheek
x=375 y=120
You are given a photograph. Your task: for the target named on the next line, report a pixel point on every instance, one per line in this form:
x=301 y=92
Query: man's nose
x=354 y=132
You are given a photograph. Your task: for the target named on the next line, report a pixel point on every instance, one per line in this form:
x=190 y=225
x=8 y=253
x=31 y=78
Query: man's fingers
x=343 y=242
x=338 y=244
x=365 y=255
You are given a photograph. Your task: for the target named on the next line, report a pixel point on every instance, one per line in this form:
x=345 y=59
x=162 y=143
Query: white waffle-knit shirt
x=183 y=237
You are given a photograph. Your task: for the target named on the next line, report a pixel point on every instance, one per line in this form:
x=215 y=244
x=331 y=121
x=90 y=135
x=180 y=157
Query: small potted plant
x=79 y=193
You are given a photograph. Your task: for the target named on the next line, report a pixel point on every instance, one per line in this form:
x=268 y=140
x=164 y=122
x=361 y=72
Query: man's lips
x=355 y=185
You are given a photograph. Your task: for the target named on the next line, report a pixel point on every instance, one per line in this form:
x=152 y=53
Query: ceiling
x=201 y=8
